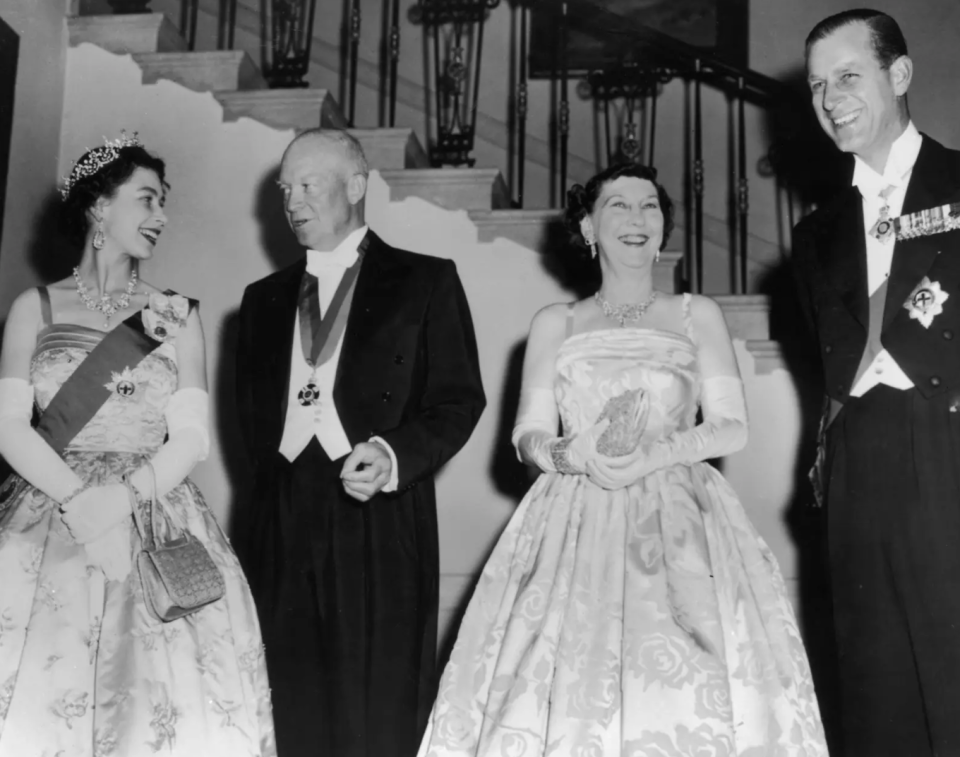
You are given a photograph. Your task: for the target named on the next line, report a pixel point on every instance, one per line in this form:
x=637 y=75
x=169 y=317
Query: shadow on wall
x=282 y=250
x=808 y=164
x=804 y=159
x=50 y=254
x=805 y=522
x=578 y=274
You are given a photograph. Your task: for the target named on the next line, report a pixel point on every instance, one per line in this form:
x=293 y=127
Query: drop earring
x=98 y=237
x=586 y=229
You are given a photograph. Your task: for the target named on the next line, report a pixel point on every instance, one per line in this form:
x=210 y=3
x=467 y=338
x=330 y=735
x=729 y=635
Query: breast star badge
x=926 y=301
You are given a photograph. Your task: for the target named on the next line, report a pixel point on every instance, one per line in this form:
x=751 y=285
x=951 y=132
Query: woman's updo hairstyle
x=86 y=190
x=580 y=199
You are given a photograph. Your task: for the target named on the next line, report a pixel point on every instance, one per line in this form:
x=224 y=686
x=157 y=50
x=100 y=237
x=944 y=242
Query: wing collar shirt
x=321 y=420
x=896 y=174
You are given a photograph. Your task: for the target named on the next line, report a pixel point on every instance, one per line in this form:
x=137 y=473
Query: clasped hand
x=606 y=472
x=96 y=510
x=366 y=471
x=618 y=472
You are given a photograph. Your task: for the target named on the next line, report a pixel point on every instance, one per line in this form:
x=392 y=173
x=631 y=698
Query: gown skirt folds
x=651 y=621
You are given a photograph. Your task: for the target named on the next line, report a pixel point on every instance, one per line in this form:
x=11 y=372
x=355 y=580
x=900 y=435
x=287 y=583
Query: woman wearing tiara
x=629 y=607
x=116 y=369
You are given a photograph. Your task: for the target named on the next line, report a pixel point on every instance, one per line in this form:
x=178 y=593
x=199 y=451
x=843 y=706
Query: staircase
x=238 y=85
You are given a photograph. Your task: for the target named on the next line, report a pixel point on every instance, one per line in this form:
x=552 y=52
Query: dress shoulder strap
x=687 y=318
x=46 y=312
x=569 y=329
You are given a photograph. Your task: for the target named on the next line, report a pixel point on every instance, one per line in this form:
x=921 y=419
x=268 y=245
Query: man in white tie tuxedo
x=358 y=378
x=878 y=270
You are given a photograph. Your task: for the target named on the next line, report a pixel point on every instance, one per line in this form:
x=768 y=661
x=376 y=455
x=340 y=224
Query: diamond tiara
x=95 y=159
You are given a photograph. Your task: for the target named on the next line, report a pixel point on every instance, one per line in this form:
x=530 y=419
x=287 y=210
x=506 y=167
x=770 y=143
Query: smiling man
x=358 y=378
x=879 y=277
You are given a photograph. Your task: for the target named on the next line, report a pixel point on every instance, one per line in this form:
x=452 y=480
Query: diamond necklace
x=106 y=304
x=624 y=313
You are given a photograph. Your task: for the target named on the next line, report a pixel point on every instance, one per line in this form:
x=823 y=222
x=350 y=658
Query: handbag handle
x=147 y=533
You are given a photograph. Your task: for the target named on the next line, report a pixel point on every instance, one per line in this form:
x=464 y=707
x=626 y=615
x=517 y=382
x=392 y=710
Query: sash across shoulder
x=83 y=394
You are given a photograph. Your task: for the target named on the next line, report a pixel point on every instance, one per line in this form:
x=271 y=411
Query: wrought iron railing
x=652 y=60
x=625 y=93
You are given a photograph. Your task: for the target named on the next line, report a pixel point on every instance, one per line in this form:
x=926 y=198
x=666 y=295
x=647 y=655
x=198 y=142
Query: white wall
x=35 y=143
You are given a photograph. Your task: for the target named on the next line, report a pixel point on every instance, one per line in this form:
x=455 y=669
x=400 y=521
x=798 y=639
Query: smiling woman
x=87 y=666
x=629 y=592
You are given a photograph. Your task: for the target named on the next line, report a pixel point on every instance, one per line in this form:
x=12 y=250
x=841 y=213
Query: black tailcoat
x=892 y=471
x=348 y=592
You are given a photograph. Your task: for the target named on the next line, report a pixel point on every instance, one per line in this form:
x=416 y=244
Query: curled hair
x=74 y=218
x=885 y=35
x=581 y=199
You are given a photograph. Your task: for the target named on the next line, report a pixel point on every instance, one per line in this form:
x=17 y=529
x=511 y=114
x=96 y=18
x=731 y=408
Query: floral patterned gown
x=646 y=622
x=85 y=670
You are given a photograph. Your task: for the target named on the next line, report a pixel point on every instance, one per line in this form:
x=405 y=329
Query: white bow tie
x=325 y=262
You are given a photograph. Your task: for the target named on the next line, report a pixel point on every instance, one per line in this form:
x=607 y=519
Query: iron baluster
x=394 y=48
x=563 y=123
x=521 y=111
x=456 y=91
x=696 y=277
x=292 y=33
x=353 y=36
x=743 y=190
x=653 y=124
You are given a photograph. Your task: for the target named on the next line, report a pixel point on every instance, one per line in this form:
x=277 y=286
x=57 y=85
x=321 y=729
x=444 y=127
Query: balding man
x=358 y=378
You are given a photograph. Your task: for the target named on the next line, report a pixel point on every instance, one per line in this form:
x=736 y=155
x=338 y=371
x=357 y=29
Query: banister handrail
x=679 y=53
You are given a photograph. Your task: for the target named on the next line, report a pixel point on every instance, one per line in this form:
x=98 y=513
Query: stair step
x=208 y=71
x=284 y=108
x=392 y=148
x=533 y=229
x=129 y=33
x=450 y=188
x=543 y=230
x=747 y=315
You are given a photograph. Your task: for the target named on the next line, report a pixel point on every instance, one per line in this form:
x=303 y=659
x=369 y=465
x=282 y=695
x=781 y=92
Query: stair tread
x=296 y=109
x=392 y=147
x=193 y=56
x=280 y=95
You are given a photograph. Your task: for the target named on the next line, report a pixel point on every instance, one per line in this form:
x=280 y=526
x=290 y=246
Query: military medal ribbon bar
x=925 y=222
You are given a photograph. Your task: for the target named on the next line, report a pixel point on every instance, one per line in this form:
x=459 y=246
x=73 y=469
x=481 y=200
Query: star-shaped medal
x=926 y=301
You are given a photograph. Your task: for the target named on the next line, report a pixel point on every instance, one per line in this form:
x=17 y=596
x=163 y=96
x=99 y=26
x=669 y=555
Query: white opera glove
x=111 y=552
x=94 y=511
x=723 y=431
x=535 y=435
x=188 y=442
x=25 y=450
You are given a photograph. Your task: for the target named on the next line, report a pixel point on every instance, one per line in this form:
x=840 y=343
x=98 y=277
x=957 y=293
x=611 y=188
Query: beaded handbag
x=178 y=575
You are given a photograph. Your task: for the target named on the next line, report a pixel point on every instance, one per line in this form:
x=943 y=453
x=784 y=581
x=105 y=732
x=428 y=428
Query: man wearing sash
x=879 y=277
x=358 y=378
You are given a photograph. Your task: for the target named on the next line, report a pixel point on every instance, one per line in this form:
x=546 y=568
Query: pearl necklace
x=106 y=304
x=624 y=313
